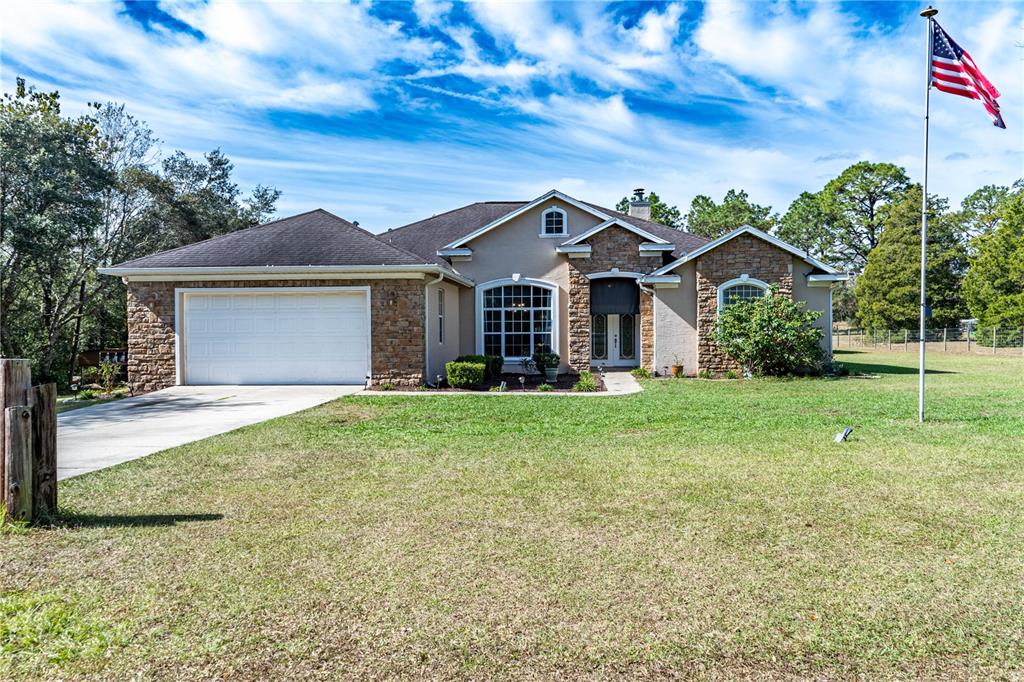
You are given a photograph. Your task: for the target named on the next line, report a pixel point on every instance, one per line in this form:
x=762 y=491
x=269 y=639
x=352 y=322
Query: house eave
x=575 y=250
x=455 y=253
x=662 y=281
x=827 y=280
x=272 y=272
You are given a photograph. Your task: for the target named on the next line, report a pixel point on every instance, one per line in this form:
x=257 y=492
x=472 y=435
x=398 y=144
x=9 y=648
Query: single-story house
x=316 y=299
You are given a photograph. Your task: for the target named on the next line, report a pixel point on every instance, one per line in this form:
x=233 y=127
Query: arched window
x=517 y=318
x=742 y=289
x=554 y=223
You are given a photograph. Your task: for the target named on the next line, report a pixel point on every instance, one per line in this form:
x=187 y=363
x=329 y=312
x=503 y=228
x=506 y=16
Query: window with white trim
x=518 y=320
x=740 y=290
x=554 y=222
x=440 y=316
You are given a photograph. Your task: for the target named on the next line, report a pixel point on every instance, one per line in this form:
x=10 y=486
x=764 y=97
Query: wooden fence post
x=944 y=330
x=993 y=340
x=888 y=338
x=15 y=383
x=906 y=341
x=18 y=448
x=44 y=451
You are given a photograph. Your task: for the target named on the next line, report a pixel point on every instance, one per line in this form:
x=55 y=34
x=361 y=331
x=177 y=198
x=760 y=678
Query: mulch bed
x=563 y=385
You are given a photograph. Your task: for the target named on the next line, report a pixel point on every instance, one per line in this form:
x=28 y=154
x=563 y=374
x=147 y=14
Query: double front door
x=614 y=341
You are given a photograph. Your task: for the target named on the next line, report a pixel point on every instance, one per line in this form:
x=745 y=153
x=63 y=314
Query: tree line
x=867 y=221
x=79 y=193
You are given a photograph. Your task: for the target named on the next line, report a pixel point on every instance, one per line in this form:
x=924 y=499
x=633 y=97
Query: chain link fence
x=981 y=340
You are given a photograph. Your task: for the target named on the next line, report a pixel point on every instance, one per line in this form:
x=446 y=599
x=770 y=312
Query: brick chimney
x=639 y=206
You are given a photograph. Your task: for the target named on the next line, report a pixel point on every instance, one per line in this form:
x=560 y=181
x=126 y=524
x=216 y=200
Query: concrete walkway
x=97 y=437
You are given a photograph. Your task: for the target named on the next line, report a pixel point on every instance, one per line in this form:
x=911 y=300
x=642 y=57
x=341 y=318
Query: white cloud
x=752 y=99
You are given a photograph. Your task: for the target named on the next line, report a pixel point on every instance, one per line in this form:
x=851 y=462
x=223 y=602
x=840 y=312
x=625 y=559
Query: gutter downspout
x=426 y=326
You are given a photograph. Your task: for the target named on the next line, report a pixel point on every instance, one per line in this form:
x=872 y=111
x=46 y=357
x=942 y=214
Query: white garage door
x=276 y=337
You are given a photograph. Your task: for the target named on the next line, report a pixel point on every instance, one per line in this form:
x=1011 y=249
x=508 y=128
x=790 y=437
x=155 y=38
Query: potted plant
x=547 y=363
x=677 y=366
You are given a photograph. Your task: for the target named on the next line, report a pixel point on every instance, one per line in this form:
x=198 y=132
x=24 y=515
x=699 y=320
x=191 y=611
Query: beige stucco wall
x=517 y=247
x=438 y=352
x=817 y=298
x=675 y=323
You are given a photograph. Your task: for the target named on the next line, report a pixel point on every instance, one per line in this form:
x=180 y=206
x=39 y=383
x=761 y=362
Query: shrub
x=731 y=374
x=387 y=386
x=704 y=374
x=108 y=375
x=771 y=335
x=465 y=374
x=586 y=383
x=544 y=388
x=87 y=394
x=543 y=360
x=500 y=388
x=641 y=373
x=492 y=363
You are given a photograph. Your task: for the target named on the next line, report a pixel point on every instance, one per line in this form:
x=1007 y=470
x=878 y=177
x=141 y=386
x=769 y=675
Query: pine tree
x=888 y=292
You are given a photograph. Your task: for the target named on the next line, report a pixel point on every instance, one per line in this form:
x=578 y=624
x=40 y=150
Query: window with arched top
x=517 y=318
x=554 y=223
x=742 y=289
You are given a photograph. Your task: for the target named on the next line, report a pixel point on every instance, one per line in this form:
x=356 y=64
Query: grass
x=699 y=529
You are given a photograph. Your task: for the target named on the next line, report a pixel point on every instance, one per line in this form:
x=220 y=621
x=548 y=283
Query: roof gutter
x=282 y=271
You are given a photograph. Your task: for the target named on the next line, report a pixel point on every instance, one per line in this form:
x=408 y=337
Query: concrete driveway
x=101 y=436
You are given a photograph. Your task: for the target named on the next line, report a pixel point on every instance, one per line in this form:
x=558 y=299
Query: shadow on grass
x=855 y=361
x=70 y=519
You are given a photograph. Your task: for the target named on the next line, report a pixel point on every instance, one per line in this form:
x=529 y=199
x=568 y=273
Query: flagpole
x=927 y=14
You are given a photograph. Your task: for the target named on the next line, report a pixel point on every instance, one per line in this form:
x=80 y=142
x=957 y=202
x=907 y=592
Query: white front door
x=275 y=336
x=614 y=341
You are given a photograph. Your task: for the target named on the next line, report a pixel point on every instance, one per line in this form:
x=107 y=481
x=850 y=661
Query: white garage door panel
x=276 y=338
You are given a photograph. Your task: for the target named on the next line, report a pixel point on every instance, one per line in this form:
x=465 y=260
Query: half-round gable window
x=554 y=223
x=742 y=289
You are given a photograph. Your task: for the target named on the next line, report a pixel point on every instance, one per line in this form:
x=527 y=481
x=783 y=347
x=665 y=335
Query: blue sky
x=389 y=112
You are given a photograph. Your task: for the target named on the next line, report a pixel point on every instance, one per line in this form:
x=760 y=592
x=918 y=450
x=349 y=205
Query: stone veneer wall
x=743 y=255
x=396 y=316
x=613 y=247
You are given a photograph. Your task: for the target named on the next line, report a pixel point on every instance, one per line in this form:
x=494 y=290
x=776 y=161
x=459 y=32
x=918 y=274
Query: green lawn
x=699 y=529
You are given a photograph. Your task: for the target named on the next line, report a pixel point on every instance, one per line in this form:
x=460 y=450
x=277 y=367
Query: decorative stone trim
x=613 y=247
x=396 y=314
x=744 y=254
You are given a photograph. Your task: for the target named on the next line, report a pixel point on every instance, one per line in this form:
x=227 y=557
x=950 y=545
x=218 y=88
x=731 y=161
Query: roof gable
x=618 y=223
x=428 y=236
x=553 y=194
x=754 y=232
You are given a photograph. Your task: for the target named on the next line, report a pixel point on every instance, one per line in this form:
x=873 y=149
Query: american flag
x=954 y=71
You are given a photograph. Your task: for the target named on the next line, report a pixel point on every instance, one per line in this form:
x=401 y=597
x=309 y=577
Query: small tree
x=994 y=285
x=771 y=335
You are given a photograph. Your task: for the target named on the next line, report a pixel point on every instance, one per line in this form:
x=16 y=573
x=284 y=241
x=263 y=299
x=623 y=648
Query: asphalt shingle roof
x=314 y=238
x=425 y=237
